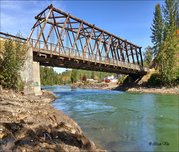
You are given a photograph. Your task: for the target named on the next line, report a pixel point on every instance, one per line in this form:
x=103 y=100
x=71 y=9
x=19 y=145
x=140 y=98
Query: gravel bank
x=30 y=123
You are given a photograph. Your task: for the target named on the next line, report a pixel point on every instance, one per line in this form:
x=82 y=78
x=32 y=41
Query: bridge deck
x=71 y=58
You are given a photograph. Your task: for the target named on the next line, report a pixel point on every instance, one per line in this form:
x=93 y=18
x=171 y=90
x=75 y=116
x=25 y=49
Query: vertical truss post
x=132 y=54
x=107 y=48
x=140 y=52
x=126 y=52
x=115 y=52
x=137 y=56
x=121 y=48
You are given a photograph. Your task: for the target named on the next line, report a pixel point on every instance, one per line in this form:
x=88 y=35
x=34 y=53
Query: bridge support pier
x=30 y=75
x=36 y=78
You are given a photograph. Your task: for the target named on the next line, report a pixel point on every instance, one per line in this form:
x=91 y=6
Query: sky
x=129 y=19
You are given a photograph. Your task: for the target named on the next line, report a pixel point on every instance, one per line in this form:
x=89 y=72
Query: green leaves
x=13 y=58
x=49 y=76
x=74 y=76
x=167 y=47
x=157 y=29
x=148 y=56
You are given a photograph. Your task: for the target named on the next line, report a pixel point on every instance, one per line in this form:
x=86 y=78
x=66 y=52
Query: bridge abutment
x=30 y=75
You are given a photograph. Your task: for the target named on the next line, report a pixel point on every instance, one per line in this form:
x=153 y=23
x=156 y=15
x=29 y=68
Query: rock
x=2 y=133
x=1 y=90
x=30 y=123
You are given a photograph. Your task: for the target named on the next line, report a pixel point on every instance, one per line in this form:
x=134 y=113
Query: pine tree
x=170 y=46
x=157 y=29
x=166 y=56
x=148 y=56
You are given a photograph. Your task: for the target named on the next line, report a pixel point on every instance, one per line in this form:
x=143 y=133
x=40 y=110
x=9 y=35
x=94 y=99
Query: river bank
x=142 y=89
x=135 y=88
x=30 y=123
x=99 y=86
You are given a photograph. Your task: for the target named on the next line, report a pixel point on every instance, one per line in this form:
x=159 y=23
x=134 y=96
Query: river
x=120 y=121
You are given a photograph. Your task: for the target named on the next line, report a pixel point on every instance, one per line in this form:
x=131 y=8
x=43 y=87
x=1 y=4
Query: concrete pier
x=30 y=75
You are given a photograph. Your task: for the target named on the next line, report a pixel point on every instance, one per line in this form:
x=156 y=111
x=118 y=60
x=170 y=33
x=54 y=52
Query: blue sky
x=130 y=19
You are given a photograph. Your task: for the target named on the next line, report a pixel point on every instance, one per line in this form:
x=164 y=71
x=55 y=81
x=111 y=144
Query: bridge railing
x=62 y=51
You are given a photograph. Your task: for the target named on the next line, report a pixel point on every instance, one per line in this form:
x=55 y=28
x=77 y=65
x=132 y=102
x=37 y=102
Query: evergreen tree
x=166 y=56
x=170 y=45
x=148 y=56
x=157 y=29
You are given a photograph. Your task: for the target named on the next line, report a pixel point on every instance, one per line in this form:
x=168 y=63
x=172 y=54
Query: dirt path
x=30 y=123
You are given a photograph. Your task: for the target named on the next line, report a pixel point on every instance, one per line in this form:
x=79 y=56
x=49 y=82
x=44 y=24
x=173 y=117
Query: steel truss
x=60 y=34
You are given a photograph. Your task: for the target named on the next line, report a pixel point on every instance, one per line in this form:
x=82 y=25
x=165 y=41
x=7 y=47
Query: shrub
x=155 y=80
x=14 y=55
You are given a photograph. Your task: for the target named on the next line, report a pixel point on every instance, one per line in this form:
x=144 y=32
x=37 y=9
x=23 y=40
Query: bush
x=155 y=80
x=13 y=58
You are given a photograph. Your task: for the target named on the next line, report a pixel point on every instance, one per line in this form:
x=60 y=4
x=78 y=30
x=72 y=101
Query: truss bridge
x=61 y=40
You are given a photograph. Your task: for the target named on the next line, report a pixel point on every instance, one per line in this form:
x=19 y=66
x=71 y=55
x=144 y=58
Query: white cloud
x=19 y=15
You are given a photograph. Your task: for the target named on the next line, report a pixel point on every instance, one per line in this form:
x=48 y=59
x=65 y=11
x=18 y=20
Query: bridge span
x=63 y=40
x=59 y=39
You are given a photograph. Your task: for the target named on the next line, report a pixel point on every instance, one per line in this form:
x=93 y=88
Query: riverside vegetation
x=50 y=77
x=12 y=58
x=165 y=44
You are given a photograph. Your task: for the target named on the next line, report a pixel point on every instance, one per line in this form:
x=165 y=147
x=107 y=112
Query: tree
x=49 y=77
x=74 y=76
x=92 y=75
x=167 y=50
x=13 y=58
x=148 y=56
x=157 y=29
x=170 y=45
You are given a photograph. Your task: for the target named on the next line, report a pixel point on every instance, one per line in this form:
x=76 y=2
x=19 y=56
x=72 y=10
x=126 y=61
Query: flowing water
x=120 y=121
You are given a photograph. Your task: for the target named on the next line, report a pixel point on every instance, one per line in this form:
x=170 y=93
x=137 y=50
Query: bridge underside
x=66 y=62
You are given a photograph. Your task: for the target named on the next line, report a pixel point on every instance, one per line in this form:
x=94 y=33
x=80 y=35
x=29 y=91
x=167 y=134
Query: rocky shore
x=136 y=88
x=29 y=123
x=141 y=89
